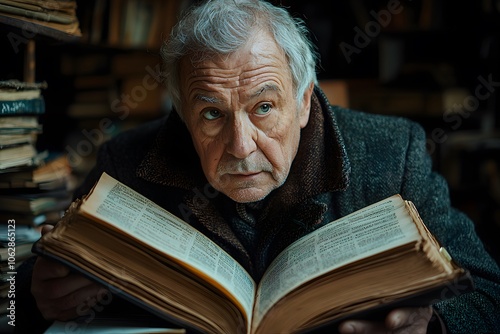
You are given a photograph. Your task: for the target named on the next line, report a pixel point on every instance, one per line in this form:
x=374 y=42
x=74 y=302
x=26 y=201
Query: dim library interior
x=76 y=73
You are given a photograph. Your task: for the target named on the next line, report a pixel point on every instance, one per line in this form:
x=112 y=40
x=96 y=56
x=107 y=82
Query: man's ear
x=305 y=109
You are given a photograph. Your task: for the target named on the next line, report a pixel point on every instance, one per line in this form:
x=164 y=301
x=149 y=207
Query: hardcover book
x=380 y=257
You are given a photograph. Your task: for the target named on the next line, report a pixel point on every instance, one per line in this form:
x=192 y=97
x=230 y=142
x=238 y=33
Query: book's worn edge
x=460 y=284
x=38 y=249
x=20 y=26
x=22 y=85
x=455 y=287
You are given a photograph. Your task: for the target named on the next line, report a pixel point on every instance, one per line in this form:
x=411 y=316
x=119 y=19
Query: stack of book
x=53 y=18
x=36 y=195
x=35 y=186
x=21 y=104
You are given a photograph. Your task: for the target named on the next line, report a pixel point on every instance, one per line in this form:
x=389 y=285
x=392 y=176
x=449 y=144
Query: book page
x=129 y=211
x=376 y=228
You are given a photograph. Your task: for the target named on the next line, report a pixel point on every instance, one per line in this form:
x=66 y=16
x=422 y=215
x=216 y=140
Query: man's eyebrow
x=215 y=100
x=265 y=88
x=207 y=99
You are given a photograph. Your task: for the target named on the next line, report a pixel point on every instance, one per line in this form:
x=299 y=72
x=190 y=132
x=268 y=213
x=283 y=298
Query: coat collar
x=321 y=164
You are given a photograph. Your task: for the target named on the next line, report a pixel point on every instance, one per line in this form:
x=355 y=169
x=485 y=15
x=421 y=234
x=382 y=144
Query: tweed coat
x=346 y=160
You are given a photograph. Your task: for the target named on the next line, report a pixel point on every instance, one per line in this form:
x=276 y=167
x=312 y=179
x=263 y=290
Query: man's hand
x=399 y=321
x=61 y=294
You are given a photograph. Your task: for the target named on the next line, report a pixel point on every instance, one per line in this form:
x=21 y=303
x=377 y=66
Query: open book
x=380 y=256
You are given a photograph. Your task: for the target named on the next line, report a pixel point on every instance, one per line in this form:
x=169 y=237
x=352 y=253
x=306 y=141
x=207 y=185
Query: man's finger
x=403 y=317
x=46 y=228
x=361 y=327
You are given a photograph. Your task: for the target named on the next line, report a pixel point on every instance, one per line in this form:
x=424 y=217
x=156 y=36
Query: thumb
x=47 y=228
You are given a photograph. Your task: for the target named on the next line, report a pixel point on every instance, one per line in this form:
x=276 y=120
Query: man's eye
x=212 y=114
x=264 y=109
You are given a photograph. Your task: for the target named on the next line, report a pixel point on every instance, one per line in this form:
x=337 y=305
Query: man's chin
x=247 y=195
x=247 y=189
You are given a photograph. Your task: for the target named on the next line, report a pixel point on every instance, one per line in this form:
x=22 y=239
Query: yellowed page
x=376 y=228
x=129 y=211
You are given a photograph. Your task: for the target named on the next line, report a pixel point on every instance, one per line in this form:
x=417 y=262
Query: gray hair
x=221 y=27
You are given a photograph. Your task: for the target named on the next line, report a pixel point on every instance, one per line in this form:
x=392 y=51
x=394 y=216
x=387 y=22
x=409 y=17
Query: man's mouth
x=244 y=174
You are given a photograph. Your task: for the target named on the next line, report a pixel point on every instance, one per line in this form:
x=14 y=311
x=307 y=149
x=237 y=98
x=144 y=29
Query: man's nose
x=241 y=137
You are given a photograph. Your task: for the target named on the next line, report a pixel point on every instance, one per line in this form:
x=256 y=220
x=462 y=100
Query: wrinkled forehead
x=260 y=44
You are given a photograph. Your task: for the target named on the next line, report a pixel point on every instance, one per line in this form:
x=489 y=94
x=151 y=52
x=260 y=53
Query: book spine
x=22 y=107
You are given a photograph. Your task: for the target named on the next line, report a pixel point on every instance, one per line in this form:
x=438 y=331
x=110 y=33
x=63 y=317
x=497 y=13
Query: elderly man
x=255 y=157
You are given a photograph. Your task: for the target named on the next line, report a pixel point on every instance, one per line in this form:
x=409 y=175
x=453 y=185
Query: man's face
x=243 y=118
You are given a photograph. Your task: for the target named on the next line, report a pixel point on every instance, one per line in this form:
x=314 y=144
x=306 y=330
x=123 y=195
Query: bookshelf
x=35 y=184
x=102 y=74
x=129 y=24
x=84 y=58
x=108 y=76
